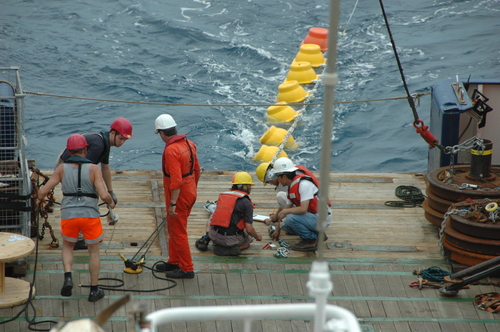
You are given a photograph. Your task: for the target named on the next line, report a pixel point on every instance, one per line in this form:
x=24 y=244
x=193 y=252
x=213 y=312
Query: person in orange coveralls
x=181 y=172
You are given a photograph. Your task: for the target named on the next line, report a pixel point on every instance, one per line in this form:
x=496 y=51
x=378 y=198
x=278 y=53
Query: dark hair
x=289 y=175
x=169 y=131
x=77 y=151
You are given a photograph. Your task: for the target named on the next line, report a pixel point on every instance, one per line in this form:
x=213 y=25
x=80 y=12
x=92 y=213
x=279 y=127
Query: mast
x=329 y=80
x=320 y=284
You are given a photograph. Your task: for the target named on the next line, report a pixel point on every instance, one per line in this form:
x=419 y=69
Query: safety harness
x=79 y=160
x=191 y=160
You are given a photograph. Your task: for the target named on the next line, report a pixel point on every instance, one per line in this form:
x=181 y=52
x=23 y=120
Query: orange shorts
x=90 y=227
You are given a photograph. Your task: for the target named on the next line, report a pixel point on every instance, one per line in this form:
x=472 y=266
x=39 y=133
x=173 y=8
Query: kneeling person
x=300 y=216
x=231 y=228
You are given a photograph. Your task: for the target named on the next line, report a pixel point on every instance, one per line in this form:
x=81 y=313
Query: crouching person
x=231 y=228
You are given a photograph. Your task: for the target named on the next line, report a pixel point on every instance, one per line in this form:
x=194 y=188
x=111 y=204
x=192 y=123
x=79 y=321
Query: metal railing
x=15 y=182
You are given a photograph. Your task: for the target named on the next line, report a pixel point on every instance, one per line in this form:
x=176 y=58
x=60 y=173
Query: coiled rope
x=411 y=196
x=433 y=273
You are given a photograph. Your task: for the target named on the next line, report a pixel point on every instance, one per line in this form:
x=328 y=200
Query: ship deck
x=372 y=252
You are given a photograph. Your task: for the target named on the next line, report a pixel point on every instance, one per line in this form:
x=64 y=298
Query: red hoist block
x=425 y=133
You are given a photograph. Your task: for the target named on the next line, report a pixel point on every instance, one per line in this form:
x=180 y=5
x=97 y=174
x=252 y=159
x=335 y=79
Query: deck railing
x=339 y=319
x=327 y=317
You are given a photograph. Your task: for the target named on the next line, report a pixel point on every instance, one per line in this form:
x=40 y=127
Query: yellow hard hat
x=243 y=178
x=261 y=171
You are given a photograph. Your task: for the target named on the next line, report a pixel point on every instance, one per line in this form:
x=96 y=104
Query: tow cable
x=417 y=123
x=134 y=266
x=121 y=283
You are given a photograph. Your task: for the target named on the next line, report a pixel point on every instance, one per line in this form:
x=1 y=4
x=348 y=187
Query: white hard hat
x=164 y=121
x=283 y=165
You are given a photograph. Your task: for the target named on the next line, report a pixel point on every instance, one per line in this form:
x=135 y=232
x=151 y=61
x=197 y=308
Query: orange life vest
x=311 y=175
x=225 y=208
x=294 y=195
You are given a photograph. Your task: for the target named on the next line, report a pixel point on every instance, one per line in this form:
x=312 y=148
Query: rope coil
x=433 y=273
x=411 y=196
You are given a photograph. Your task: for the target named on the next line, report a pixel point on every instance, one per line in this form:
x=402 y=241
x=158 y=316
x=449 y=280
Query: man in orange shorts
x=82 y=185
x=98 y=152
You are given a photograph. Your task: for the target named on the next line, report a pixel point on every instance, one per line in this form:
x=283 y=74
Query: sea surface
x=213 y=54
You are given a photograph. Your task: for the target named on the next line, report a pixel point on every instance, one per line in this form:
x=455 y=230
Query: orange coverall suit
x=181 y=170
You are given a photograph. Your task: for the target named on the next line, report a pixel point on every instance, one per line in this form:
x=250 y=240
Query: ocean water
x=213 y=53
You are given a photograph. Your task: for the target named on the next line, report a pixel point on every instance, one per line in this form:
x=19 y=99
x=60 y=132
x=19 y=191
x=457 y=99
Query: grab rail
x=339 y=319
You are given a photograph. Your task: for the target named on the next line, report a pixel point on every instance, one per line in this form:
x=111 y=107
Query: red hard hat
x=123 y=127
x=76 y=142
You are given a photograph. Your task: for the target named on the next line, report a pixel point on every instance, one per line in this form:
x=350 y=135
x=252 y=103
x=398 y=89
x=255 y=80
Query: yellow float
x=267 y=153
x=312 y=54
x=281 y=112
x=291 y=92
x=302 y=72
x=275 y=136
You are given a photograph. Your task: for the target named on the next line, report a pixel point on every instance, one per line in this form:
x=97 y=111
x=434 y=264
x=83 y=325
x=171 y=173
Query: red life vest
x=225 y=208
x=294 y=195
x=311 y=175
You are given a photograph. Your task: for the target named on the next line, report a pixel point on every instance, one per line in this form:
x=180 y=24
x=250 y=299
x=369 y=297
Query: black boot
x=202 y=243
x=67 y=287
x=80 y=245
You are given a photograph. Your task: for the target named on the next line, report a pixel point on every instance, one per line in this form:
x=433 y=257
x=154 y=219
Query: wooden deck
x=372 y=251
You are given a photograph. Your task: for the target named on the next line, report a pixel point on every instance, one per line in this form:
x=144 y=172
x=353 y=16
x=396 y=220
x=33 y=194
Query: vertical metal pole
x=329 y=80
x=319 y=283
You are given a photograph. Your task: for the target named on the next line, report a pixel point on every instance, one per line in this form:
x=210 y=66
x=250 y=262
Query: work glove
x=113 y=196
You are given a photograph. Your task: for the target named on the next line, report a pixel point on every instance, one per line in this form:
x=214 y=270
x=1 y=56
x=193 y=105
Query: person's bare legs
x=94 y=263
x=67 y=255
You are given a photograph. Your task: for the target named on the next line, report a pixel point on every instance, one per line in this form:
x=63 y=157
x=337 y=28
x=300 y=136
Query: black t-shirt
x=243 y=207
x=98 y=149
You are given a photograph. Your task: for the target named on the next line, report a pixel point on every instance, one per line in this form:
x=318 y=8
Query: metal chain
x=44 y=208
x=443 y=225
x=493 y=215
x=496 y=188
x=44 y=215
x=284 y=244
x=464 y=146
x=282 y=252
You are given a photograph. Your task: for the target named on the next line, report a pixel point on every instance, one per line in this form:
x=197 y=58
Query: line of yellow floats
x=302 y=71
